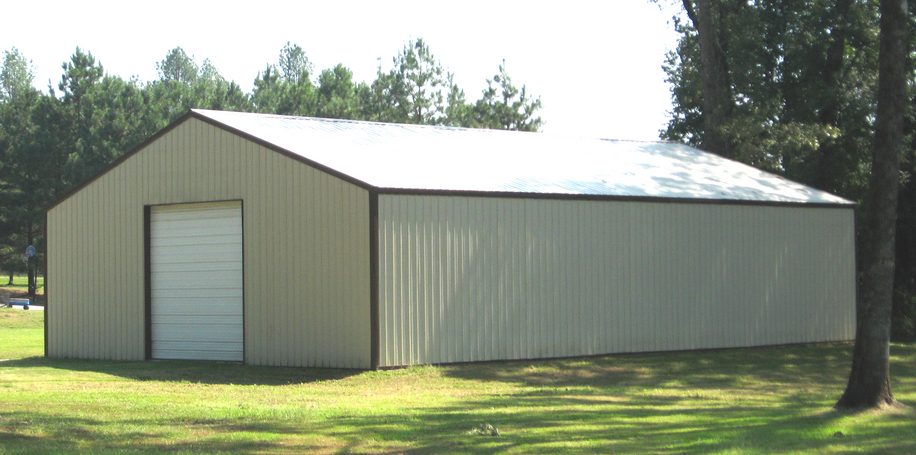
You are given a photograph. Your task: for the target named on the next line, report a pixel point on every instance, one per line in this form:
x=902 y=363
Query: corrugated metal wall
x=306 y=237
x=470 y=279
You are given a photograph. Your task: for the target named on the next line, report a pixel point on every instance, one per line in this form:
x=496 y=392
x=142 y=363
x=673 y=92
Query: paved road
x=31 y=307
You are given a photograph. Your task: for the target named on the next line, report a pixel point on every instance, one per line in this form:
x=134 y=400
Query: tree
x=286 y=88
x=505 y=106
x=81 y=75
x=20 y=166
x=337 y=94
x=184 y=85
x=416 y=86
x=374 y=100
x=294 y=64
x=267 y=90
x=718 y=102
x=786 y=118
x=869 y=381
x=50 y=142
x=212 y=91
x=177 y=66
x=458 y=111
x=804 y=77
x=831 y=78
x=97 y=119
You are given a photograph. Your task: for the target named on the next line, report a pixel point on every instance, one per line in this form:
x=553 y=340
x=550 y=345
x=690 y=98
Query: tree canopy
x=801 y=89
x=51 y=141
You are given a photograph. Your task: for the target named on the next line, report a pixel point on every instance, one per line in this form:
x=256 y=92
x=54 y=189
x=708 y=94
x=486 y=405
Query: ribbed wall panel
x=472 y=279
x=306 y=236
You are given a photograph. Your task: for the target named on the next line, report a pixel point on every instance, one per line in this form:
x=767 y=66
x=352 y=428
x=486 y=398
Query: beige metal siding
x=469 y=279
x=306 y=236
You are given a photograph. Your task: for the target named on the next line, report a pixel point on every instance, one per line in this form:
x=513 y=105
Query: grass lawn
x=20 y=285
x=769 y=400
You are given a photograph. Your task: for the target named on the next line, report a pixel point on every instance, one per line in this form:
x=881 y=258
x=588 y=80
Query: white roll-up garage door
x=196 y=281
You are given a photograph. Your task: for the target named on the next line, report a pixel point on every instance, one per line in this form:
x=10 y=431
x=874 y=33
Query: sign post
x=29 y=254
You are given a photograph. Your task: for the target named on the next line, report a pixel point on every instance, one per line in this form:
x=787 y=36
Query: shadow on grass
x=813 y=364
x=526 y=425
x=633 y=425
x=198 y=372
x=772 y=400
x=762 y=400
x=60 y=434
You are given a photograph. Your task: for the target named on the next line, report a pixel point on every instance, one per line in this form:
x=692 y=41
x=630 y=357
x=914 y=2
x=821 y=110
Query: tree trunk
x=830 y=105
x=869 y=381
x=717 y=93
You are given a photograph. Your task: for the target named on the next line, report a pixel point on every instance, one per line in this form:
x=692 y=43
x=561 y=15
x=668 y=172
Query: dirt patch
x=38 y=299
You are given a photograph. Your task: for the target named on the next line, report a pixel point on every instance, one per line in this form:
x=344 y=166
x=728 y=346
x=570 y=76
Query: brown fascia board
x=285 y=152
x=424 y=192
x=118 y=161
x=601 y=197
x=195 y=115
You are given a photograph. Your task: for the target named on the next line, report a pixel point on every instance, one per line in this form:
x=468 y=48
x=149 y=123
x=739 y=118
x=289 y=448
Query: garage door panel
x=211 y=352
x=189 y=245
x=202 y=295
x=200 y=334
x=217 y=233
x=196 y=307
x=196 y=282
x=189 y=274
x=180 y=268
x=200 y=262
x=178 y=319
x=192 y=280
x=174 y=212
x=192 y=248
x=203 y=224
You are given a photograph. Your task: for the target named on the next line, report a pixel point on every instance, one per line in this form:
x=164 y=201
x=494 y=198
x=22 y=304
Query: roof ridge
x=437 y=157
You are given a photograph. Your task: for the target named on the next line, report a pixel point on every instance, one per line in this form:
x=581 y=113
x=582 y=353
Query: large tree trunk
x=717 y=91
x=869 y=382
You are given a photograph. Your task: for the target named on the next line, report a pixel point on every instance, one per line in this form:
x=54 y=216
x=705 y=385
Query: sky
x=596 y=65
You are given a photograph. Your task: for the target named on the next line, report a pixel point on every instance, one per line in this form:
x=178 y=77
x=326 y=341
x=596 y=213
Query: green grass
x=21 y=334
x=21 y=284
x=770 y=400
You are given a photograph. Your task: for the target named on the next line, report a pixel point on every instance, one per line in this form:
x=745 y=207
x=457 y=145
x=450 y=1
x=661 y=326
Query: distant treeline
x=51 y=141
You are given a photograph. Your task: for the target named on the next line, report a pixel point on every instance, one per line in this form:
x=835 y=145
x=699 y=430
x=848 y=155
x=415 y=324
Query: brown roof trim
x=600 y=197
x=425 y=192
x=118 y=161
x=195 y=115
x=282 y=151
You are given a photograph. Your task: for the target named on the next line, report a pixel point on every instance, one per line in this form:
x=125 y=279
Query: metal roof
x=417 y=157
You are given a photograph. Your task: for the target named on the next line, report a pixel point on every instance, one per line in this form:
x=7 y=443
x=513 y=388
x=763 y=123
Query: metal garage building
x=310 y=242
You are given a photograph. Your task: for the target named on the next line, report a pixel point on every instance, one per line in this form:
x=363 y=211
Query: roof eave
x=264 y=143
x=119 y=160
x=605 y=197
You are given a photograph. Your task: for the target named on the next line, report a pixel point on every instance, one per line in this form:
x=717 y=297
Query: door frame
x=148 y=276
